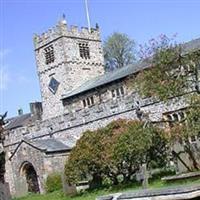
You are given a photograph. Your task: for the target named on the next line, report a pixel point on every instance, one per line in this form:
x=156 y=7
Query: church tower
x=66 y=58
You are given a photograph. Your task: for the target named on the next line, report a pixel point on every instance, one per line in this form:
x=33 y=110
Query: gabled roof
x=123 y=72
x=47 y=146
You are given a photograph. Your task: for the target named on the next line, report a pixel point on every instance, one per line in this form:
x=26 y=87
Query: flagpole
x=87 y=14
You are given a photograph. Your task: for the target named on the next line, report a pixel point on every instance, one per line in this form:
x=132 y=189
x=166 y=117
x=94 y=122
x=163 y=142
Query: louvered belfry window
x=49 y=54
x=84 y=50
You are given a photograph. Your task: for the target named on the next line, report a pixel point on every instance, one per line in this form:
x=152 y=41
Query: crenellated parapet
x=62 y=30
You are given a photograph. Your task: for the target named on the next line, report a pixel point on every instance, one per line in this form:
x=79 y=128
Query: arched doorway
x=30 y=174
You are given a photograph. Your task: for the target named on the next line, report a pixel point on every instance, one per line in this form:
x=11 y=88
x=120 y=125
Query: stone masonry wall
x=68 y=68
x=26 y=154
x=74 y=121
x=69 y=127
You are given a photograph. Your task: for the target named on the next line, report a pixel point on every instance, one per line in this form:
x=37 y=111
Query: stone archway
x=30 y=174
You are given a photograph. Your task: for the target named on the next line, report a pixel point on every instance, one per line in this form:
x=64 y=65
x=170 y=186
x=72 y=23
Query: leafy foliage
x=115 y=152
x=169 y=69
x=174 y=71
x=186 y=129
x=118 y=51
x=85 y=159
x=53 y=182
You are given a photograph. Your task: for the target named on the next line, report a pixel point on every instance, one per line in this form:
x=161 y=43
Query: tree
x=188 y=128
x=132 y=145
x=117 y=150
x=118 y=51
x=2 y=153
x=174 y=71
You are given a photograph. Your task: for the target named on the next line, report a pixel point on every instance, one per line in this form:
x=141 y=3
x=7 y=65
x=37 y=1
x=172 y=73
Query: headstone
x=21 y=187
x=143 y=176
x=4 y=191
x=68 y=189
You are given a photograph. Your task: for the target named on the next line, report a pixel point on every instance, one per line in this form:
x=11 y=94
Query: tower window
x=84 y=50
x=49 y=54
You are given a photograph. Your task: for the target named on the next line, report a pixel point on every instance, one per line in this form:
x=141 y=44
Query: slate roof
x=107 y=78
x=47 y=146
x=19 y=121
x=123 y=72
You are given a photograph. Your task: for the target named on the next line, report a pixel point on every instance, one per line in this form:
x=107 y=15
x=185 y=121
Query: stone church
x=77 y=95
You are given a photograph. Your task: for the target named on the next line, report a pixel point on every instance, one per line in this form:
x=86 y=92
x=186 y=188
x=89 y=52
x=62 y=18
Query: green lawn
x=91 y=195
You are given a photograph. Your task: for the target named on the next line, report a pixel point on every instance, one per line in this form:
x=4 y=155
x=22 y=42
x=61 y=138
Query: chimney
x=20 y=111
x=36 y=109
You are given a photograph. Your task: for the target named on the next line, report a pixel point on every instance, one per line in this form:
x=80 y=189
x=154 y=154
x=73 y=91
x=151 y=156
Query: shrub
x=53 y=182
x=115 y=152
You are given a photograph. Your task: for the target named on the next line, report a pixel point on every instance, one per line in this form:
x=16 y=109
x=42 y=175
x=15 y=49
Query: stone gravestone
x=68 y=189
x=143 y=176
x=4 y=191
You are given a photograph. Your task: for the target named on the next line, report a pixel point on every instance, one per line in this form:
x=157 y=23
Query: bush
x=53 y=182
x=115 y=152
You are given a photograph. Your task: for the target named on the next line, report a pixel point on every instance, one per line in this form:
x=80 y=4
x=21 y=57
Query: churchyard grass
x=91 y=195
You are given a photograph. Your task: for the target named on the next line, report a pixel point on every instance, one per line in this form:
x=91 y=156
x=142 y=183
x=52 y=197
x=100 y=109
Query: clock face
x=53 y=85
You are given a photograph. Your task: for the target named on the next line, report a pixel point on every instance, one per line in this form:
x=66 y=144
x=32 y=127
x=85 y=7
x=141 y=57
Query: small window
x=118 y=92
x=122 y=91
x=172 y=118
x=89 y=101
x=84 y=103
x=181 y=115
x=113 y=93
x=175 y=117
x=92 y=100
x=84 y=50
x=49 y=54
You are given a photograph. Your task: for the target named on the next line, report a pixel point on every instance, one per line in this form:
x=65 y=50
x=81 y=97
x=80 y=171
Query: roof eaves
x=58 y=151
x=118 y=77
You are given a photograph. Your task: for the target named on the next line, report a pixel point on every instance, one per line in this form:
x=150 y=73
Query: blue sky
x=20 y=19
